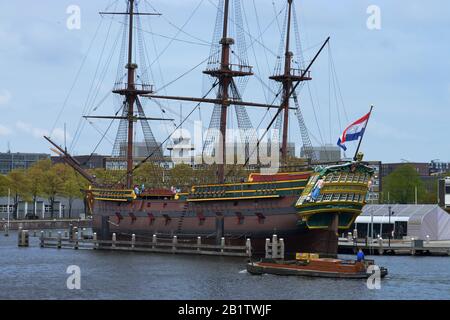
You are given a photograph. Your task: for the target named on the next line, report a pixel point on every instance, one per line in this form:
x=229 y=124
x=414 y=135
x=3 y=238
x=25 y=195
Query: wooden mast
x=287 y=79
x=224 y=84
x=286 y=86
x=130 y=97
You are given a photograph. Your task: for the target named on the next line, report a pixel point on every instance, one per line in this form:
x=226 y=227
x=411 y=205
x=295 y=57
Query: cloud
x=5 y=97
x=57 y=134
x=4 y=131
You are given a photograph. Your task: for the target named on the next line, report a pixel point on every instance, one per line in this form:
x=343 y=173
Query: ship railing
x=120 y=86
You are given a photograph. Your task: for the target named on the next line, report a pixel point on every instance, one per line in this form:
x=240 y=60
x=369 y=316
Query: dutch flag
x=354 y=131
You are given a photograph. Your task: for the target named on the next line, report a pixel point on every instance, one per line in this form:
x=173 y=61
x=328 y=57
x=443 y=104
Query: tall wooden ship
x=256 y=208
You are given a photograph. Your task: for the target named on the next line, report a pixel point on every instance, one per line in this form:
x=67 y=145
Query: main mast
x=225 y=74
x=287 y=78
x=130 y=96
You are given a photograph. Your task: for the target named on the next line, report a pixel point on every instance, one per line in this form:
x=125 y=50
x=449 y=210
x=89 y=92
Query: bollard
x=174 y=242
x=268 y=248
x=66 y=234
x=349 y=237
x=274 y=246
x=94 y=238
x=281 y=248
x=5 y=227
x=19 y=237
x=114 y=240
x=428 y=239
x=380 y=243
x=59 y=240
x=133 y=240
x=154 y=241
x=70 y=232
x=34 y=234
x=50 y=233
x=76 y=241
x=248 y=246
x=82 y=233
x=222 y=243
x=42 y=239
x=199 y=243
x=413 y=249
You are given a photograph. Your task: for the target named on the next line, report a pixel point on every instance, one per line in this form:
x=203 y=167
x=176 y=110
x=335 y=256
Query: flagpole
x=360 y=140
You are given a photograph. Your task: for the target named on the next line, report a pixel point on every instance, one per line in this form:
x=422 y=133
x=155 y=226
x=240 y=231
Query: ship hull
x=236 y=221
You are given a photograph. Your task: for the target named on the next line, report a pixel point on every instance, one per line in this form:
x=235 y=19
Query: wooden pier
x=73 y=240
x=395 y=247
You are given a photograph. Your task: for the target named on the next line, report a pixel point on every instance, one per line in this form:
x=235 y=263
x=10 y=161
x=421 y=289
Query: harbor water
x=37 y=273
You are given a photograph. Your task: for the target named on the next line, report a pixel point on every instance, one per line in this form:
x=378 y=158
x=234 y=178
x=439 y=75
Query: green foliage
x=401 y=185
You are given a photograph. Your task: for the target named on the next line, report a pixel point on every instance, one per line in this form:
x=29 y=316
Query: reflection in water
x=35 y=273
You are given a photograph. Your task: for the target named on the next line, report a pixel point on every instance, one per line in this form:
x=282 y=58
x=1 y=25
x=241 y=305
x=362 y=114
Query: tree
x=72 y=186
x=402 y=184
x=181 y=176
x=36 y=176
x=19 y=184
x=52 y=184
x=149 y=174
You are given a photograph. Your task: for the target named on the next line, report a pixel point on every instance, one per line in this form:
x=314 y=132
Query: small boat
x=316 y=267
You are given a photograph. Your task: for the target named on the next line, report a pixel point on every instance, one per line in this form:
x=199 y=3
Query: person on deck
x=360 y=256
x=316 y=191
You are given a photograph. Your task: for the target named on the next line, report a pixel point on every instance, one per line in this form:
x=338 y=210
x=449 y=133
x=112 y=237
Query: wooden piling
x=114 y=239
x=222 y=243
x=274 y=246
x=199 y=243
x=94 y=239
x=248 y=246
x=154 y=240
x=59 y=240
x=42 y=239
x=281 y=252
x=267 y=249
x=174 y=242
x=76 y=240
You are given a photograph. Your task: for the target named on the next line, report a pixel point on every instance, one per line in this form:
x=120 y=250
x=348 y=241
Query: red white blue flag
x=354 y=131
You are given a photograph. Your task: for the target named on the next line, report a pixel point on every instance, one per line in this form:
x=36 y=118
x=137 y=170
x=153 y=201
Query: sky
x=401 y=67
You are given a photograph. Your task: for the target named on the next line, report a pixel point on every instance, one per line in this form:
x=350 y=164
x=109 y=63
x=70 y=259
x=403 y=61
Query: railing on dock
x=74 y=241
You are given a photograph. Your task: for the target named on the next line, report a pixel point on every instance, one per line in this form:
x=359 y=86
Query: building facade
x=11 y=161
x=326 y=153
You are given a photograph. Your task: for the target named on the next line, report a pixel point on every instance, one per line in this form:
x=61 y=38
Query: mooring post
x=49 y=233
x=19 y=237
x=94 y=238
x=222 y=244
x=70 y=232
x=199 y=243
x=34 y=234
x=114 y=239
x=281 y=248
x=268 y=248
x=76 y=240
x=82 y=233
x=380 y=243
x=5 y=227
x=133 y=240
x=59 y=240
x=42 y=239
x=274 y=246
x=248 y=246
x=174 y=243
x=154 y=239
x=413 y=248
x=24 y=236
x=428 y=239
